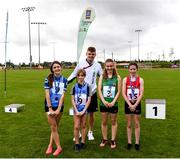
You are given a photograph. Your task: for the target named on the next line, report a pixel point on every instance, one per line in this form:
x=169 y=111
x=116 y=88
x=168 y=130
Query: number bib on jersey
x=81 y=99
x=132 y=94
x=109 y=91
x=57 y=92
x=80 y=102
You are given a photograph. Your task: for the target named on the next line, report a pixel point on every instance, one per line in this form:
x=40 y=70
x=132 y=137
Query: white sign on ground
x=156 y=108
x=13 y=108
x=71 y=111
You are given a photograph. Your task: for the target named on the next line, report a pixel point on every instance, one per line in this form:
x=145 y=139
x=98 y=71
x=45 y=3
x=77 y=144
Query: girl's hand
x=132 y=108
x=83 y=112
x=78 y=113
x=111 y=104
x=51 y=112
x=106 y=104
x=56 y=112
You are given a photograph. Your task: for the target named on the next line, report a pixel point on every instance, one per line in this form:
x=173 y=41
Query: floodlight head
x=28 y=9
x=138 y=30
x=38 y=22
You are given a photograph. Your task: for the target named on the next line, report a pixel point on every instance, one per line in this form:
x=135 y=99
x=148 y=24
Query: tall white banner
x=86 y=19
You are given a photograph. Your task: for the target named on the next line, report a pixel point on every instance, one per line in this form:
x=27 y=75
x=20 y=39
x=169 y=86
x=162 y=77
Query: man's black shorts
x=93 y=107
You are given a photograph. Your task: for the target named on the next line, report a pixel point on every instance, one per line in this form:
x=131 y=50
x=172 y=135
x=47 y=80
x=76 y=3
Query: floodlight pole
x=138 y=31
x=39 y=23
x=129 y=50
x=7 y=17
x=29 y=9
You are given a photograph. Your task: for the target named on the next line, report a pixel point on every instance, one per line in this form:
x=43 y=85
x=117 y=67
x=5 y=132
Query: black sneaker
x=129 y=146
x=137 y=147
x=82 y=146
x=76 y=147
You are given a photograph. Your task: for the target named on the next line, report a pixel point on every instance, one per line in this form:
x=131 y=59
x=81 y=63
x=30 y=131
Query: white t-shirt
x=91 y=73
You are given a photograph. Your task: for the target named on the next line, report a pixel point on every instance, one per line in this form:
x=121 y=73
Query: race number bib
x=109 y=91
x=59 y=89
x=81 y=99
x=132 y=95
x=61 y=85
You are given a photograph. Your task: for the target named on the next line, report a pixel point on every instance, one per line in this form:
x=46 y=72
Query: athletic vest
x=109 y=89
x=58 y=87
x=132 y=88
x=80 y=96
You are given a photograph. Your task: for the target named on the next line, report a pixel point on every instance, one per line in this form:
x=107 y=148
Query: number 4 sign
x=156 y=108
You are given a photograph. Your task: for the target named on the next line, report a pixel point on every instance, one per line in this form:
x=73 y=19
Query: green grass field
x=26 y=134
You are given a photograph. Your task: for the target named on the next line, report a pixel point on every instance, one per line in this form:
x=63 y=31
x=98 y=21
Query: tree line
x=65 y=64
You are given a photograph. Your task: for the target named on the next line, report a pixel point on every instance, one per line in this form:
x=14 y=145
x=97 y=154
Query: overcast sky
x=114 y=25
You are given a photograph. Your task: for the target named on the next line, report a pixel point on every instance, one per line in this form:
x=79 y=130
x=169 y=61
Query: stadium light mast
x=129 y=50
x=138 y=31
x=29 y=9
x=39 y=23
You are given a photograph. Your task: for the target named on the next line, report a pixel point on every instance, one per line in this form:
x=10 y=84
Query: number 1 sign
x=156 y=108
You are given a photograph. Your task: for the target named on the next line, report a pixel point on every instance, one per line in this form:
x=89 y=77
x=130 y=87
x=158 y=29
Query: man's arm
x=100 y=72
x=73 y=74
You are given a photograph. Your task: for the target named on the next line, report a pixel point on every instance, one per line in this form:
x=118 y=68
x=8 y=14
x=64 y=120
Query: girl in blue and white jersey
x=55 y=86
x=81 y=98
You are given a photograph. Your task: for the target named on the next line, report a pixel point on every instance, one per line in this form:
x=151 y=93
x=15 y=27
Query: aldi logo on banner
x=88 y=14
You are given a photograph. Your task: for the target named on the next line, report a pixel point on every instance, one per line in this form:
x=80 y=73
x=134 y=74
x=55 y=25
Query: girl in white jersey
x=132 y=91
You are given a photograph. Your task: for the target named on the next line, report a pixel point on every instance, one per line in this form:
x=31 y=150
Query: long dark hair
x=115 y=73
x=51 y=75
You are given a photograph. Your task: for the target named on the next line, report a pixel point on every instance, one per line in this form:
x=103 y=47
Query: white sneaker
x=90 y=135
x=79 y=136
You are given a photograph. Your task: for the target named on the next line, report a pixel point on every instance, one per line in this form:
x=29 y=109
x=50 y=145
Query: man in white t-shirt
x=92 y=69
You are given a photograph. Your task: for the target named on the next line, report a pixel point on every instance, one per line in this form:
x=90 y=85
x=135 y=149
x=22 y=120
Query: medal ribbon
x=132 y=88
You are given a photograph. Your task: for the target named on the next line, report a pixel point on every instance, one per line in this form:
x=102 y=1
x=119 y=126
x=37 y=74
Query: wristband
x=50 y=106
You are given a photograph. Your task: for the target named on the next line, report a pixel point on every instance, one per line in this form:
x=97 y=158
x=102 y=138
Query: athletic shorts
x=53 y=108
x=112 y=110
x=128 y=111
x=93 y=106
x=76 y=113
